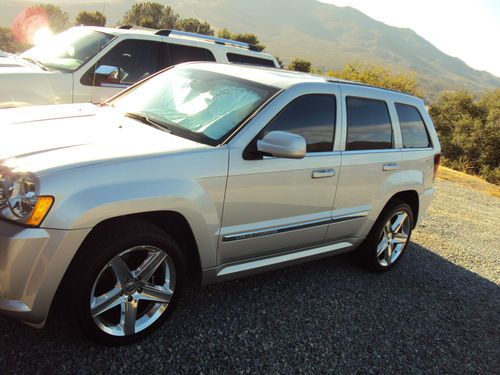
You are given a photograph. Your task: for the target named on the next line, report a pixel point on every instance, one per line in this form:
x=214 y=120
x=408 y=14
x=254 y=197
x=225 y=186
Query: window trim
x=250 y=149
x=347 y=123
x=431 y=145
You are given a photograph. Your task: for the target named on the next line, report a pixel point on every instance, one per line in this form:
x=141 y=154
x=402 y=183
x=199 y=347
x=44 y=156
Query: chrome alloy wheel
x=132 y=291
x=393 y=238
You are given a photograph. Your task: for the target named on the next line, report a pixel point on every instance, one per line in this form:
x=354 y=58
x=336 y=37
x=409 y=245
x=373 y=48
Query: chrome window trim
x=288 y=228
x=378 y=151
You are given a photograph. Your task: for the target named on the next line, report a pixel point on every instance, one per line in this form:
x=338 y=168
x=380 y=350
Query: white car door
x=125 y=63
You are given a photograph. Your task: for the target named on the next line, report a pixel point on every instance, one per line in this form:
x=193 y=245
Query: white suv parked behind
x=90 y=64
x=213 y=170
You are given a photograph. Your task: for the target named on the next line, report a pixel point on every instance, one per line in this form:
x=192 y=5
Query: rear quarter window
x=252 y=60
x=413 y=129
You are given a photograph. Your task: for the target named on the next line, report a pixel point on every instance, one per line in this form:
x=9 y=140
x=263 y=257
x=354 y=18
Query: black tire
x=97 y=252
x=367 y=253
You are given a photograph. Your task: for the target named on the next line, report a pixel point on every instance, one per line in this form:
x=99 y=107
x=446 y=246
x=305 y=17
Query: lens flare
x=42 y=36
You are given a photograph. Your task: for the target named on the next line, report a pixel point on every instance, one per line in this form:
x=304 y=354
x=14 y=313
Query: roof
x=279 y=78
x=180 y=36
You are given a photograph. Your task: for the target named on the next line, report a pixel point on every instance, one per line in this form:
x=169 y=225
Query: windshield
x=195 y=104
x=70 y=49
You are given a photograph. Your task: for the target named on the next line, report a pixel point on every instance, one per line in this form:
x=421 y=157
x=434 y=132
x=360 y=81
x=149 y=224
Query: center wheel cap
x=129 y=288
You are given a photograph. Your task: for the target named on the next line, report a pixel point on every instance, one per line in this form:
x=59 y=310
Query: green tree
x=90 y=18
x=8 y=42
x=193 y=25
x=300 y=65
x=469 y=131
x=58 y=18
x=149 y=14
x=242 y=37
x=381 y=76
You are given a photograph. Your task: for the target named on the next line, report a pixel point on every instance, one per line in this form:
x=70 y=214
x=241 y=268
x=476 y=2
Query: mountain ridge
x=328 y=35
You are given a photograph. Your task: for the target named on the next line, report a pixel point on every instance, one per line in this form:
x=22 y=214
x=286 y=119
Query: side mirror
x=109 y=74
x=283 y=145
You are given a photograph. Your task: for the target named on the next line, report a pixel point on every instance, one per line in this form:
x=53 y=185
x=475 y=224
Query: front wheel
x=126 y=283
x=387 y=241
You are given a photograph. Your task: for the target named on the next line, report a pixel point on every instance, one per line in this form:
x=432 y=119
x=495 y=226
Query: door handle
x=390 y=166
x=322 y=173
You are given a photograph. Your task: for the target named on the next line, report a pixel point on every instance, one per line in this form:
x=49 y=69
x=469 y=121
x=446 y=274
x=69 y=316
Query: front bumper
x=32 y=264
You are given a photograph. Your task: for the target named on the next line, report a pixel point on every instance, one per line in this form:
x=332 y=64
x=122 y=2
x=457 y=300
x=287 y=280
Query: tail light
x=437 y=159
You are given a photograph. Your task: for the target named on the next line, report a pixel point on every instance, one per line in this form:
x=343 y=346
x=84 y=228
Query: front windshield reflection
x=200 y=104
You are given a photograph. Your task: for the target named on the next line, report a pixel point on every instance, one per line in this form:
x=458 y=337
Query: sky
x=467 y=29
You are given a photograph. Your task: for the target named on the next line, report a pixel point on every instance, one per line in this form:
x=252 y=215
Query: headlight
x=19 y=199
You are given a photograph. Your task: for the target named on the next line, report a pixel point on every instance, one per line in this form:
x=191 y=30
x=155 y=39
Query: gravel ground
x=437 y=312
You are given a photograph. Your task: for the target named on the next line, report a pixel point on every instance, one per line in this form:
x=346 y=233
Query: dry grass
x=467 y=180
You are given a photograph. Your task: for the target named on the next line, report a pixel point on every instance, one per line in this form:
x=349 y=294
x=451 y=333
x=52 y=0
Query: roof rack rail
x=124 y=27
x=208 y=38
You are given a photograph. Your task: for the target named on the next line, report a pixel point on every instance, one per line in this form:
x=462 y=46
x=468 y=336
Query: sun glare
x=41 y=36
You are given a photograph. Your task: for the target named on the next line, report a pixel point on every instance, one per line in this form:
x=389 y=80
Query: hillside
x=327 y=35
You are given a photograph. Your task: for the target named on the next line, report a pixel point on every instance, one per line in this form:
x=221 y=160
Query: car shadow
x=426 y=315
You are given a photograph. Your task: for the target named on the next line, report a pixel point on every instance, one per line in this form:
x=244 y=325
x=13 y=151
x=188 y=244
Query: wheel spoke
x=128 y=316
x=398 y=224
x=120 y=269
x=387 y=228
x=400 y=238
x=388 y=254
x=106 y=302
x=381 y=246
x=156 y=293
x=150 y=265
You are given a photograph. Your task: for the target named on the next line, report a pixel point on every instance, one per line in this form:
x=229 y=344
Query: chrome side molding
x=287 y=228
x=247 y=266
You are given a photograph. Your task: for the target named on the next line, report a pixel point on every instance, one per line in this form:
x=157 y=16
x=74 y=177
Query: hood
x=36 y=139
x=14 y=63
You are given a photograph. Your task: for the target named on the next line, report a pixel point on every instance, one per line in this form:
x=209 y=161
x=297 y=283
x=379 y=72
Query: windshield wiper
x=36 y=62
x=148 y=121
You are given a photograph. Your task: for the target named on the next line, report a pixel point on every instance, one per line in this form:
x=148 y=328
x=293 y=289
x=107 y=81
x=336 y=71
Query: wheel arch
x=411 y=197
x=164 y=220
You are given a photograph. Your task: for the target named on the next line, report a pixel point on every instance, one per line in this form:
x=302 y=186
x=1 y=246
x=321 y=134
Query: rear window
x=413 y=129
x=180 y=53
x=368 y=124
x=244 y=59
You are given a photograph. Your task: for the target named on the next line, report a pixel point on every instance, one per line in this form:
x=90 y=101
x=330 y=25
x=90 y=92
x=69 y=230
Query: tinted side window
x=413 y=128
x=180 y=53
x=368 y=124
x=136 y=58
x=311 y=116
x=243 y=59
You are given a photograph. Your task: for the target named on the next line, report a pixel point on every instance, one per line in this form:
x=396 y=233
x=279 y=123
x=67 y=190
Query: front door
x=136 y=59
x=276 y=204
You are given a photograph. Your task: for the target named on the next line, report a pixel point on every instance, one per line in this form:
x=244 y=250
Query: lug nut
x=130 y=298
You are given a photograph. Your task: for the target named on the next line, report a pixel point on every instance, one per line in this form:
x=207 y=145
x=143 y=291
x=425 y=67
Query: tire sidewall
x=92 y=267
x=370 y=246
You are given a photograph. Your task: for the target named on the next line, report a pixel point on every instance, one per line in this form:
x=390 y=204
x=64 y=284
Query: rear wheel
x=387 y=241
x=126 y=283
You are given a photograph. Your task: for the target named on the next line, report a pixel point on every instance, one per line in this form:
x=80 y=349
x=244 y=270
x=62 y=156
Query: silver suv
x=207 y=170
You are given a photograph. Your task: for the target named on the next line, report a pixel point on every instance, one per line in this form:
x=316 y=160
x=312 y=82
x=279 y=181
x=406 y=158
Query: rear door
x=274 y=204
x=370 y=157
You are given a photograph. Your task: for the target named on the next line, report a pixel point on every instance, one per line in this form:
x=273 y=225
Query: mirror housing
x=109 y=74
x=283 y=145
